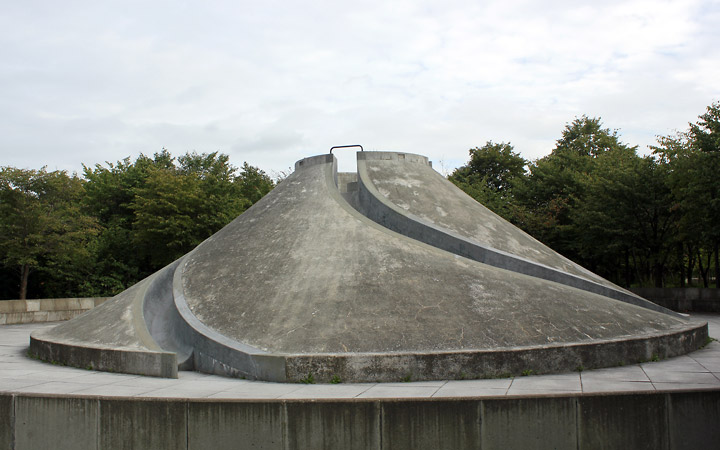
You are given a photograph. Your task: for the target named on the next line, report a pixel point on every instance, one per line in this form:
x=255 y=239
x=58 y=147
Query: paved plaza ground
x=699 y=370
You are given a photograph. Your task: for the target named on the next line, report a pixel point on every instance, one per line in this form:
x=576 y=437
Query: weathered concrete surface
x=408 y=183
x=285 y=279
x=245 y=411
x=7 y=422
x=346 y=425
x=111 y=337
x=304 y=284
x=235 y=425
x=537 y=423
x=494 y=362
x=615 y=421
x=55 y=423
x=432 y=425
x=694 y=418
x=402 y=192
x=164 y=322
x=671 y=420
x=136 y=424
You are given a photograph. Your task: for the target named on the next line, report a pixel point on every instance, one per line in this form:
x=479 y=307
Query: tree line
x=65 y=235
x=636 y=220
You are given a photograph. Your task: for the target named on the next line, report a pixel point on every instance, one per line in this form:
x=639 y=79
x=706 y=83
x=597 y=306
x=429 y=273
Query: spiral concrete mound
x=388 y=274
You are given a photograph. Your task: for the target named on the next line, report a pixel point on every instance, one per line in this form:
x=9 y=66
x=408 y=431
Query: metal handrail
x=346 y=146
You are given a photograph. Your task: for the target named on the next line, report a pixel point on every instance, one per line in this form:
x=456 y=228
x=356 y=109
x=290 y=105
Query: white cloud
x=272 y=82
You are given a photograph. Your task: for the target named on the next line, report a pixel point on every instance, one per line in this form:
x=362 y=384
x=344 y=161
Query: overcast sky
x=270 y=82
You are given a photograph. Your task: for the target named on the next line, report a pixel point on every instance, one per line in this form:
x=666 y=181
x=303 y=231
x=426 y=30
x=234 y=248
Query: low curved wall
x=45 y=310
x=140 y=362
x=683 y=299
x=112 y=337
x=420 y=366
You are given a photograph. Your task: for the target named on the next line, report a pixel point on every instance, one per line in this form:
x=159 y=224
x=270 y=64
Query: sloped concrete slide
x=305 y=284
x=402 y=192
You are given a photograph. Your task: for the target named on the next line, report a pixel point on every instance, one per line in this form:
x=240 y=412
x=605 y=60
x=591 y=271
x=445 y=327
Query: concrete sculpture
x=389 y=273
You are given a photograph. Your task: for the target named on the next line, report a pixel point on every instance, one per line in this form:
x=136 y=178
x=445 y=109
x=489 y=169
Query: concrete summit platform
x=388 y=274
x=669 y=404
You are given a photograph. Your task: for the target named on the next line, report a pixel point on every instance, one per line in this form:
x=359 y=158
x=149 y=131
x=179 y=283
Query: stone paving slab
x=315 y=391
x=474 y=388
x=681 y=364
x=600 y=386
x=409 y=391
x=116 y=391
x=660 y=376
x=699 y=370
x=258 y=390
x=685 y=387
x=623 y=374
x=556 y=384
x=464 y=393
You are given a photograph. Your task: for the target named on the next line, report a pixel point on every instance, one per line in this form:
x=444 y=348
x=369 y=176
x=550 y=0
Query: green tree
x=675 y=153
x=154 y=210
x=124 y=221
x=694 y=160
x=254 y=183
x=490 y=175
x=168 y=216
x=110 y=192
x=551 y=195
x=705 y=189
x=705 y=132
x=220 y=187
x=627 y=218
x=43 y=227
x=179 y=207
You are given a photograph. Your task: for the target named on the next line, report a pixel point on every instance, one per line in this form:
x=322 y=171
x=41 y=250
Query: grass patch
x=653 y=358
x=309 y=379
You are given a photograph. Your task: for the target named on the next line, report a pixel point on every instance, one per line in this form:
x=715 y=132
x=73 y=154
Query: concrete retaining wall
x=45 y=310
x=424 y=366
x=139 y=361
x=683 y=299
x=674 y=420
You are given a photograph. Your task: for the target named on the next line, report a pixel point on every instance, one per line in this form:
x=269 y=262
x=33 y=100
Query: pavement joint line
x=436 y=390
x=509 y=386
x=364 y=391
x=705 y=367
x=648 y=376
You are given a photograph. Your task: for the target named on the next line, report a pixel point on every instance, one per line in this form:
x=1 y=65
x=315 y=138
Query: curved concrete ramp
x=303 y=284
x=111 y=337
x=402 y=192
